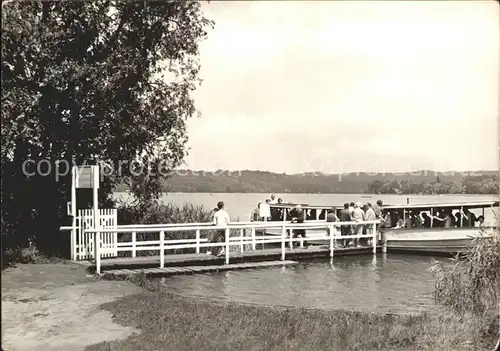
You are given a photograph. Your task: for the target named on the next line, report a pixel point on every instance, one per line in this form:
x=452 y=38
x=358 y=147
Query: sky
x=346 y=86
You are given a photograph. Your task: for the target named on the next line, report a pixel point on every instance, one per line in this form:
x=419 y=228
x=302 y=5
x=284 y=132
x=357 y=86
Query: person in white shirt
x=273 y=199
x=221 y=219
x=358 y=215
x=369 y=216
x=265 y=211
x=351 y=208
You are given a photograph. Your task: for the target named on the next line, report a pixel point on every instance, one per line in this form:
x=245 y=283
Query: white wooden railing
x=163 y=245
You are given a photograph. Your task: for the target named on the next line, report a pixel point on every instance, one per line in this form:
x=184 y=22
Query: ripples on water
x=382 y=284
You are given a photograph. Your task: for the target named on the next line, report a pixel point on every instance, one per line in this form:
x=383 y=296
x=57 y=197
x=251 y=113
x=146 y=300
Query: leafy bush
x=158 y=213
x=19 y=254
x=471 y=286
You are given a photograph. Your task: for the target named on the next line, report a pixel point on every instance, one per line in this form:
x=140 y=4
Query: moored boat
x=435 y=237
x=441 y=239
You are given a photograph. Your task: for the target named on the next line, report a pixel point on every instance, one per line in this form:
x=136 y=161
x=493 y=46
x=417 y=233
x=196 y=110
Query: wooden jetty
x=170 y=271
x=237 y=235
x=203 y=263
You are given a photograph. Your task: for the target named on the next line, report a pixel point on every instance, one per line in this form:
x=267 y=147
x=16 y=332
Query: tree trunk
x=497 y=346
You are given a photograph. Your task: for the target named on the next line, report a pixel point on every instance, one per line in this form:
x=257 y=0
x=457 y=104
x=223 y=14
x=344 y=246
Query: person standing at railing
x=480 y=221
x=221 y=219
x=331 y=217
x=358 y=216
x=254 y=217
x=369 y=216
x=445 y=217
x=345 y=216
x=273 y=200
x=351 y=208
x=299 y=216
x=212 y=213
x=386 y=219
x=281 y=211
x=377 y=208
x=427 y=220
x=265 y=210
x=469 y=219
x=272 y=210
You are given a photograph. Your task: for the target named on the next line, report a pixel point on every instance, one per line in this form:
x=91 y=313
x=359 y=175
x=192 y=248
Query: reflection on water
x=384 y=284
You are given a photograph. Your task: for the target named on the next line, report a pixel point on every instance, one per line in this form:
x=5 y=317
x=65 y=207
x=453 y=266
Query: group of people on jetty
x=351 y=212
x=357 y=212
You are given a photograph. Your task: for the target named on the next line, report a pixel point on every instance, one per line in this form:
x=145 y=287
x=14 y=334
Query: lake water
x=384 y=284
x=240 y=205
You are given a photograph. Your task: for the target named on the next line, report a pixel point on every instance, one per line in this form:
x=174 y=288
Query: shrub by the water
x=471 y=286
x=158 y=213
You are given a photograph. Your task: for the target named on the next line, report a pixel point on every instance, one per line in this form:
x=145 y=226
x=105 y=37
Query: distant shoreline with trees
x=416 y=183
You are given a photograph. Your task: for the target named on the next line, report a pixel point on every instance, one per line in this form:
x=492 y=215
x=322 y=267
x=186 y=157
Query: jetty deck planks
x=202 y=259
x=170 y=271
x=202 y=263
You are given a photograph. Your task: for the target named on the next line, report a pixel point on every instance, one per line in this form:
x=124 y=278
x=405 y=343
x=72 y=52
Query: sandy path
x=56 y=307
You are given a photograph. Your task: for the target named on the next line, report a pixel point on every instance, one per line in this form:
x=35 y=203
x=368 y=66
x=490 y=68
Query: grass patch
x=170 y=322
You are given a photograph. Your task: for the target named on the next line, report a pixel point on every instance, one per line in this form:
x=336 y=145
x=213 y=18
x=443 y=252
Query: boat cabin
x=284 y=211
x=460 y=214
x=464 y=214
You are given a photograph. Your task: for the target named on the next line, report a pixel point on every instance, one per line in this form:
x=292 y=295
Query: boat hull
x=446 y=241
x=431 y=240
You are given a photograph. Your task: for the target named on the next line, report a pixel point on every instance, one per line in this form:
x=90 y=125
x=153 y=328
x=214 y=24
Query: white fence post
x=81 y=236
x=97 y=252
x=283 y=236
x=253 y=239
x=383 y=238
x=197 y=241
x=374 y=239
x=241 y=239
x=134 y=243
x=331 y=229
x=162 y=249
x=291 y=239
x=73 y=214
x=227 y=244
x=114 y=213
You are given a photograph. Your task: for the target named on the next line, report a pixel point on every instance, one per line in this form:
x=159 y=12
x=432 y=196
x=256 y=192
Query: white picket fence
x=83 y=241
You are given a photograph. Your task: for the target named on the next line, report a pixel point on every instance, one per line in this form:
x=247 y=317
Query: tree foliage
x=482 y=184
x=87 y=82
x=267 y=182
